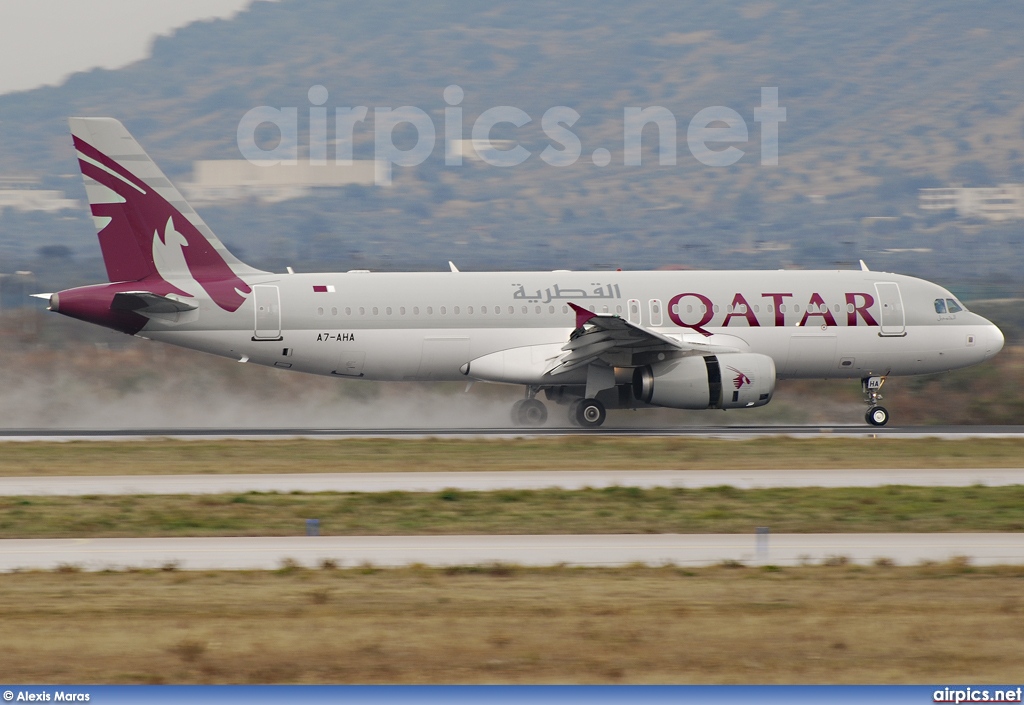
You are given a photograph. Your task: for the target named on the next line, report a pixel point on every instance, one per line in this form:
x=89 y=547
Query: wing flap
x=601 y=335
x=146 y=303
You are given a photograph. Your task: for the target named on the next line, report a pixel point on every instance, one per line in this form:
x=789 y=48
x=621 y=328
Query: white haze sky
x=42 y=42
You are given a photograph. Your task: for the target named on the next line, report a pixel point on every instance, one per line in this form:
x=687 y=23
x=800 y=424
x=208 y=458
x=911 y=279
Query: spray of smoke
x=171 y=389
x=154 y=386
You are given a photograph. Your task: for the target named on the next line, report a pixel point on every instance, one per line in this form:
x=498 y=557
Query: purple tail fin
x=147 y=232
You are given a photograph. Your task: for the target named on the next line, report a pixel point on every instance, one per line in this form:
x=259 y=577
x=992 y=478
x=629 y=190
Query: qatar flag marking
x=323 y=288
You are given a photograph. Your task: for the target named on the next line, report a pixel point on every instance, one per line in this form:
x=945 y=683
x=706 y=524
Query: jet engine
x=728 y=381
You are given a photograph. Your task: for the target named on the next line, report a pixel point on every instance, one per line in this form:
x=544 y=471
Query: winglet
x=582 y=315
x=864 y=267
x=452 y=265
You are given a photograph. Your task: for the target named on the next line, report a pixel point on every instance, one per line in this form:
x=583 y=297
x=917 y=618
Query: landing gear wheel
x=529 y=412
x=590 y=413
x=872 y=387
x=515 y=411
x=877 y=416
x=573 y=408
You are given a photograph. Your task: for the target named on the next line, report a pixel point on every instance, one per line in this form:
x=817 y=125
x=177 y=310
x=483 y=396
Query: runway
x=736 y=432
x=249 y=553
x=258 y=553
x=494 y=481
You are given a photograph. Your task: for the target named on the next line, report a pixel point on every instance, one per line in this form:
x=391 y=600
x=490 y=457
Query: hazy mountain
x=880 y=99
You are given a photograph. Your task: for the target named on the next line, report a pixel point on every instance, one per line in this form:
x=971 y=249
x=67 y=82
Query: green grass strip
x=164 y=457
x=612 y=510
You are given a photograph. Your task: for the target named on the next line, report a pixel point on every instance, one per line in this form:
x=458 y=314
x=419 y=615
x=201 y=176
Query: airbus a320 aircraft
x=589 y=341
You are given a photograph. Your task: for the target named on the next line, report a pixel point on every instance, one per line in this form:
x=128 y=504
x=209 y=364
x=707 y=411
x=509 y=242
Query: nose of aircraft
x=993 y=340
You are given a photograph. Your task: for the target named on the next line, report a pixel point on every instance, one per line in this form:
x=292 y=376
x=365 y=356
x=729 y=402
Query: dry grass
x=166 y=457
x=616 y=510
x=843 y=624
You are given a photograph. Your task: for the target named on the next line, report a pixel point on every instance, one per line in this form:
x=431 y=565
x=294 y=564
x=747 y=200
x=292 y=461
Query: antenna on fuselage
x=864 y=267
x=452 y=265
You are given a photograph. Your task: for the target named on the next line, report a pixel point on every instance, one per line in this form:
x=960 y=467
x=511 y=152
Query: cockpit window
x=954 y=307
x=940 y=306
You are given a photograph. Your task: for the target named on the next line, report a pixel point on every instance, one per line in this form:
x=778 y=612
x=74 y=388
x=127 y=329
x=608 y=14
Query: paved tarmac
x=505 y=480
x=257 y=553
x=736 y=432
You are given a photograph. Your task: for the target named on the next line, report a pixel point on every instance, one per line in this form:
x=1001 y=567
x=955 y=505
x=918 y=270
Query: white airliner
x=589 y=341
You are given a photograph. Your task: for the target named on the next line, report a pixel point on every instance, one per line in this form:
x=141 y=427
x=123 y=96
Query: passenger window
x=940 y=306
x=954 y=307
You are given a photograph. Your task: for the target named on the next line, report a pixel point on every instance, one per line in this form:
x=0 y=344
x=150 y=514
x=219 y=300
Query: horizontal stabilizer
x=145 y=302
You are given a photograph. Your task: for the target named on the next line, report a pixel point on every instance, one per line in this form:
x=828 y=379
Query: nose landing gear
x=876 y=415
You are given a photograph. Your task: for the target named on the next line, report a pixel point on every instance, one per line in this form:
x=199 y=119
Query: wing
x=604 y=335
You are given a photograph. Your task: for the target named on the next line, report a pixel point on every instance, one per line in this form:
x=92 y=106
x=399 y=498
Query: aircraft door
x=811 y=354
x=633 y=311
x=655 y=305
x=267 y=301
x=890 y=303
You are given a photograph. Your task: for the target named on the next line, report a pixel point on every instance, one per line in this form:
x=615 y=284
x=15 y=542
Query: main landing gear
x=587 y=413
x=876 y=415
x=531 y=412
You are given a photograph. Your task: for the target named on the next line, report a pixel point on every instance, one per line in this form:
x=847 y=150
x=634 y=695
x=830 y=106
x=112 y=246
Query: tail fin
x=146 y=229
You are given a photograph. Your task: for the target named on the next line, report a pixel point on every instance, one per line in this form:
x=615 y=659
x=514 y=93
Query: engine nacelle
x=729 y=381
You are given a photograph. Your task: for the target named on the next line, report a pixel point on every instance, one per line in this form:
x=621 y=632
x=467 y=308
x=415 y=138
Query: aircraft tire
x=590 y=413
x=573 y=406
x=877 y=416
x=530 y=412
x=515 y=412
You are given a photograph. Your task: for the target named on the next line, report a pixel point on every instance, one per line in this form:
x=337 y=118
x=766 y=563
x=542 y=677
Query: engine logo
x=740 y=379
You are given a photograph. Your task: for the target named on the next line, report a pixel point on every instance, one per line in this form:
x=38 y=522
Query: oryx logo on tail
x=143 y=236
